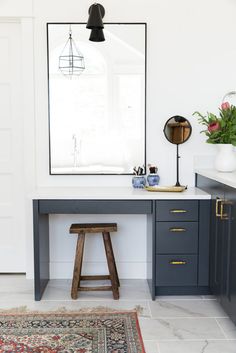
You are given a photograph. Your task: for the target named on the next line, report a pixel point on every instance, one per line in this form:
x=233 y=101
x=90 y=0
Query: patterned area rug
x=116 y=332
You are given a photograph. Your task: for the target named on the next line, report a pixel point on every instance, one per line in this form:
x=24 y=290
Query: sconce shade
x=97 y=35
x=96 y=13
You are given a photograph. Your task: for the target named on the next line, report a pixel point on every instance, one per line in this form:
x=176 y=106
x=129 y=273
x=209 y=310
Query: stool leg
x=111 y=264
x=77 y=265
x=113 y=257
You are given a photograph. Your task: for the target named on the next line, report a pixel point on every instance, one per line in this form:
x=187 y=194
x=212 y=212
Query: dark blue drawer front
x=177 y=237
x=176 y=270
x=177 y=210
x=95 y=206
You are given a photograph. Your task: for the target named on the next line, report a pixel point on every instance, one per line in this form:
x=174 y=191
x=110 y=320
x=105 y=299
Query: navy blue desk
x=42 y=208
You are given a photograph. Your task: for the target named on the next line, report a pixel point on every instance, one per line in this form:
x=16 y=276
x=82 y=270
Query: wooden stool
x=105 y=229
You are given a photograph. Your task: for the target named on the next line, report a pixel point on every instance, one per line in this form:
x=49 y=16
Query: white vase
x=225 y=159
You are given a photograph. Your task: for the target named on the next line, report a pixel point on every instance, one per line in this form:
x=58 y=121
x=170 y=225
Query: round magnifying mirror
x=177 y=130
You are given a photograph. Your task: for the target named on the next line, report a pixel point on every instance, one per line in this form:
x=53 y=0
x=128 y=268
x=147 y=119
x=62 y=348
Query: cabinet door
x=216 y=230
x=223 y=243
x=216 y=240
x=232 y=277
x=217 y=192
x=228 y=288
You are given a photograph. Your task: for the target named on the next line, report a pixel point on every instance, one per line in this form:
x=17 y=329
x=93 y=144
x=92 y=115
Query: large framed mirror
x=97 y=117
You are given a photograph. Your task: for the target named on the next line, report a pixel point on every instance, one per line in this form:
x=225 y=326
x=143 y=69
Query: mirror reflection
x=177 y=130
x=97 y=117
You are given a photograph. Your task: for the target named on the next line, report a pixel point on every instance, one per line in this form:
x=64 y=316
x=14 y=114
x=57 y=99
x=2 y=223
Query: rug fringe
x=62 y=310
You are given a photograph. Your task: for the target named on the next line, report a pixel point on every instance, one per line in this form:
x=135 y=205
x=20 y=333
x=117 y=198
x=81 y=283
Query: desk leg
x=151 y=251
x=41 y=251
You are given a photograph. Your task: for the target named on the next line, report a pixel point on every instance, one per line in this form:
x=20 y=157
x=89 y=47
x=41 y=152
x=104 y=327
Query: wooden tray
x=165 y=188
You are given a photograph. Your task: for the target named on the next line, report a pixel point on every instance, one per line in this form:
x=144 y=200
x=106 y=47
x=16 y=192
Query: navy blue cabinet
x=232 y=269
x=182 y=247
x=222 y=243
x=177 y=240
x=228 y=288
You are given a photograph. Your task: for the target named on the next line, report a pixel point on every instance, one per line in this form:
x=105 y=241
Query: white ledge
x=225 y=178
x=115 y=193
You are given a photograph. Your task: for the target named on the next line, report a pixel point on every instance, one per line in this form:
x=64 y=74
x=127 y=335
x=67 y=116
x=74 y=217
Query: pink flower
x=225 y=106
x=214 y=126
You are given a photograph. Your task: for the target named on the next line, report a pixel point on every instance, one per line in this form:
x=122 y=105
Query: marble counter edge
x=115 y=193
x=224 y=178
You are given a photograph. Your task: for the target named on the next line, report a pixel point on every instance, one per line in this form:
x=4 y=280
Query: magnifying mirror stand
x=177 y=131
x=177 y=166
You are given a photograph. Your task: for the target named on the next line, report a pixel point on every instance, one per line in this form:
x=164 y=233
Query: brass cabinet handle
x=177 y=262
x=218 y=214
x=224 y=215
x=178 y=211
x=177 y=230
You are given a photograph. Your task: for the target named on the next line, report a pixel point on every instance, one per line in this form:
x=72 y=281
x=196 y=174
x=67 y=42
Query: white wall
x=191 y=65
x=15 y=8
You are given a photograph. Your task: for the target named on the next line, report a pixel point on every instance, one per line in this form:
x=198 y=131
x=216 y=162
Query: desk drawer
x=177 y=237
x=176 y=270
x=95 y=206
x=177 y=210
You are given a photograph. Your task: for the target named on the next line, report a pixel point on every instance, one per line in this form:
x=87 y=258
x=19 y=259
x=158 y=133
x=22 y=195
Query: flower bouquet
x=221 y=130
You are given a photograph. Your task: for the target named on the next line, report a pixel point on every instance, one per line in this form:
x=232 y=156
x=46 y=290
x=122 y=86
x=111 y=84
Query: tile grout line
x=166 y=340
x=155 y=342
x=150 y=311
x=187 y=317
x=221 y=328
x=158 y=347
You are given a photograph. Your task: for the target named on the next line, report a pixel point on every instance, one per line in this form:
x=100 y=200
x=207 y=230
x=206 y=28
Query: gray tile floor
x=174 y=324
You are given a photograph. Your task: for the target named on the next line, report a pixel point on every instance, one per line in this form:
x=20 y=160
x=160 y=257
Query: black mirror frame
x=145 y=95
x=179 y=117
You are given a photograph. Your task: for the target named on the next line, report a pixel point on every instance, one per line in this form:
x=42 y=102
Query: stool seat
x=93 y=227
x=88 y=228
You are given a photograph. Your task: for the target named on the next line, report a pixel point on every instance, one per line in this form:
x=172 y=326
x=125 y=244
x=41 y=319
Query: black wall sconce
x=95 y=23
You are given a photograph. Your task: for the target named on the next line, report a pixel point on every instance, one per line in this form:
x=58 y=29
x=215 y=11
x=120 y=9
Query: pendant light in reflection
x=71 y=60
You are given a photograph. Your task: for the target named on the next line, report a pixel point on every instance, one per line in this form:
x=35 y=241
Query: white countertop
x=115 y=193
x=225 y=178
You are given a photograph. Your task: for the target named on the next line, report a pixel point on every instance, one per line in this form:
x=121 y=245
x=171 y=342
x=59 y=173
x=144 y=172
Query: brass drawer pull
x=218 y=214
x=222 y=214
x=178 y=211
x=175 y=262
x=175 y=230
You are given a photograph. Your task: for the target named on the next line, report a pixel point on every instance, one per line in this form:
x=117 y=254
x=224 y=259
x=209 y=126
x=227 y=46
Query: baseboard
x=188 y=290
